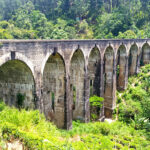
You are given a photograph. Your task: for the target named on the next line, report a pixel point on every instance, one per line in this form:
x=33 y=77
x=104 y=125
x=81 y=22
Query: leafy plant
x=95 y=106
x=96 y=101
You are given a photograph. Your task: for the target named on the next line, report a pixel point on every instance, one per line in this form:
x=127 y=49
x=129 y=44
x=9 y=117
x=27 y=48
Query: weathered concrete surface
x=133 y=58
x=121 y=67
x=77 y=84
x=94 y=74
x=54 y=89
x=145 y=54
x=58 y=76
x=16 y=78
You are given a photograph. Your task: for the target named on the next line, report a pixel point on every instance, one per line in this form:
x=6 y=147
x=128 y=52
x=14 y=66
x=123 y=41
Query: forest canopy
x=74 y=19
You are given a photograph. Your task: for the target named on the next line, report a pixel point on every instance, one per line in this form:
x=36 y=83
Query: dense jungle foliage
x=130 y=130
x=74 y=19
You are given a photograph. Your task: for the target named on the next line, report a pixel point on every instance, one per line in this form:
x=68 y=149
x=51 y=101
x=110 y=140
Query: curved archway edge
x=18 y=56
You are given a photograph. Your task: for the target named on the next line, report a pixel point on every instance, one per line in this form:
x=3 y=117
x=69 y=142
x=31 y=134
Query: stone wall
x=94 y=72
x=54 y=90
x=108 y=79
x=16 y=78
x=77 y=84
x=121 y=67
x=133 y=58
x=58 y=76
x=145 y=54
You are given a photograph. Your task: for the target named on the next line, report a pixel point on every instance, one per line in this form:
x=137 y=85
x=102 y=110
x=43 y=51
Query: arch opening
x=94 y=71
x=77 y=73
x=17 y=86
x=54 y=90
x=145 y=55
x=121 y=67
x=133 y=58
x=94 y=74
x=108 y=81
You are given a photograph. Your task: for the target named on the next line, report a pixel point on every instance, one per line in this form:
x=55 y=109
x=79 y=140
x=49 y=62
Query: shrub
x=96 y=104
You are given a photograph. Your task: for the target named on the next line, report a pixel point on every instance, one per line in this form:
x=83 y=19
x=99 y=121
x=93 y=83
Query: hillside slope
x=132 y=131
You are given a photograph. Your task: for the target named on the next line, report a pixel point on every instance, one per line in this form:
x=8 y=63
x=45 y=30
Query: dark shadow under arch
x=77 y=74
x=54 y=90
x=108 y=80
x=133 y=59
x=17 y=79
x=94 y=71
x=94 y=76
x=108 y=71
x=145 y=54
x=121 y=67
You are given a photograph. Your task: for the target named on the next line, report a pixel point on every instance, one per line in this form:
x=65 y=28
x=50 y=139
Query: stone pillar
x=68 y=102
x=114 y=85
x=121 y=62
x=110 y=100
x=138 y=60
x=102 y=116
x=133 y=59
x=126 y=72
x=38 y=92
x=86 y=97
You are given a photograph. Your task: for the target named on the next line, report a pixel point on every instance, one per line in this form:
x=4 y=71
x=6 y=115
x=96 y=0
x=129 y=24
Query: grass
x=35 y=133
x=32 y=129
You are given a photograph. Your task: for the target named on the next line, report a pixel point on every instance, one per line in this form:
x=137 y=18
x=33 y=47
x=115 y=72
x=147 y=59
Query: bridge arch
x=133 y=59
x=94 y=71
x=94 y=76
x=17 y=56
x=54 y=89
x=145 y=54
x=121 y=61
x=107 y=47
x=77 y=80
x=17 y=82
x=46 y=59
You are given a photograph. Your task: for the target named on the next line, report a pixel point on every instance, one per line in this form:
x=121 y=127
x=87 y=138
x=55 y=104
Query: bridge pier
x=68 y=103
x=109 y=82
x=61 y=77
x=38 y=92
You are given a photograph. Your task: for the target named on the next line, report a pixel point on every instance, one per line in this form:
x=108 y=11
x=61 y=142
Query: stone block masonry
x=58 y=76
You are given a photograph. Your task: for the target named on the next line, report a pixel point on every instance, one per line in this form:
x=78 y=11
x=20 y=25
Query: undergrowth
x=131 y=132
x=134 y=102
x=35 y=133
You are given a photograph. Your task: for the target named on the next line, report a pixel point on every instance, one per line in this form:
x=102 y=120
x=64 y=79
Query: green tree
x=129 y=34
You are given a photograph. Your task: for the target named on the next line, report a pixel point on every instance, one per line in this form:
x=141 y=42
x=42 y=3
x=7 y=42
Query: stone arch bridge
x=58 y=76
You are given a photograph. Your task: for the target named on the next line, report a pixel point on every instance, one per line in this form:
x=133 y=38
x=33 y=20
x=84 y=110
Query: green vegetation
x=134 y=103
x=33 y=131
x=95 y=106
x=131 y=131
x=74 y=19
x=80 y=19
x=96 y=101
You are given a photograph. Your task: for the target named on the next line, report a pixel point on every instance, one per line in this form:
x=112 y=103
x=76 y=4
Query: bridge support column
x=38 y=92
x=68 y=104
x=138 y=60
x=126 y=72
x=102 y=116
x=86 y=97
x=109 y=83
